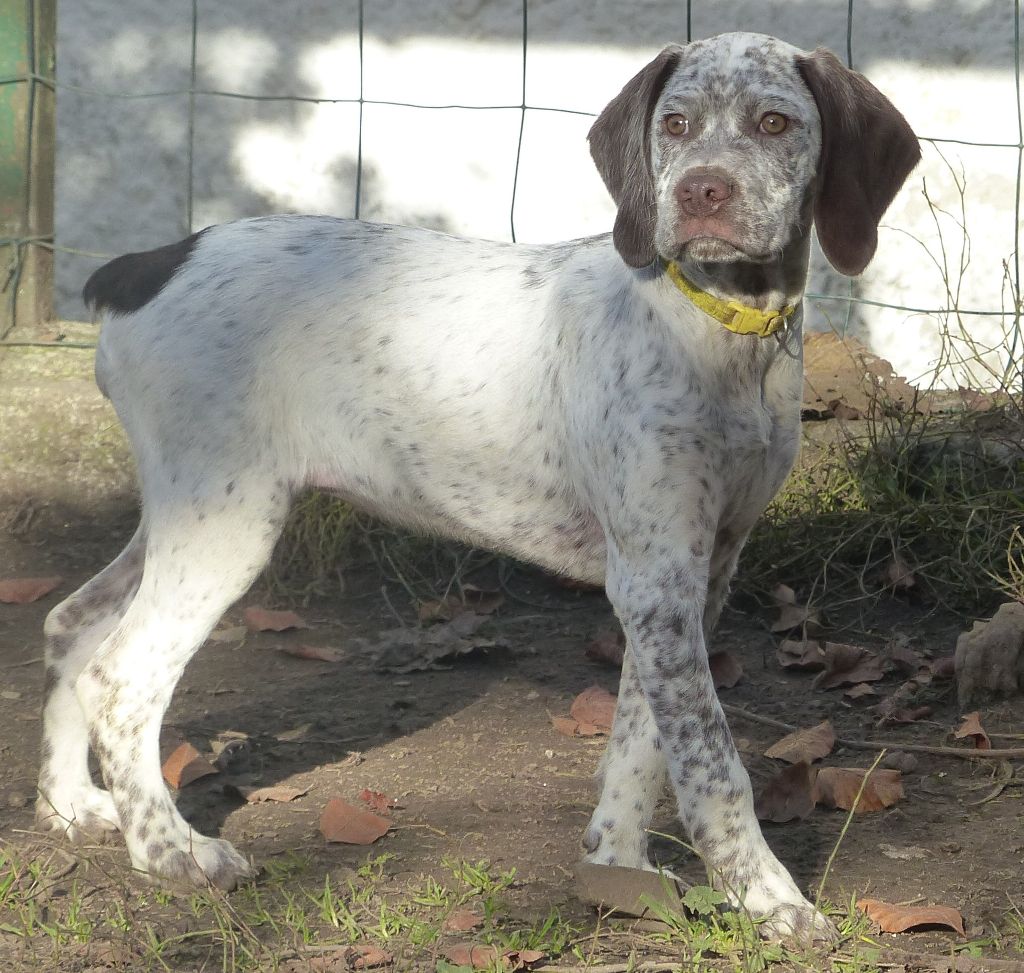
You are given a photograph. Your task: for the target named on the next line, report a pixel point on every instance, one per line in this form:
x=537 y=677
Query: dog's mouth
x=712 y=248
x=710 y=239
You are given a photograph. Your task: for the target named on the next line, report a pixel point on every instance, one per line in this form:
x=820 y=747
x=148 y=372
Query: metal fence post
x=27 y=139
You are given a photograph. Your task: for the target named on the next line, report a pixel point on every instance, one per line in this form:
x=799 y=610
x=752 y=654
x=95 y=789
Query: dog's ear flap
x=620 y=147
x=867 y=151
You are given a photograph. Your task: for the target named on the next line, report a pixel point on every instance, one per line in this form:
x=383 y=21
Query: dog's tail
x=130 y=282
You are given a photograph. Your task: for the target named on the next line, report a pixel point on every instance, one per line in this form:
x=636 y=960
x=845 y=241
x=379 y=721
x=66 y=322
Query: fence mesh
x=16 y=246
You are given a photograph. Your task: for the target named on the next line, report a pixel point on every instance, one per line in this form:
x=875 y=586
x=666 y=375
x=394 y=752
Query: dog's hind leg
x=68 y=800
x=204 y=548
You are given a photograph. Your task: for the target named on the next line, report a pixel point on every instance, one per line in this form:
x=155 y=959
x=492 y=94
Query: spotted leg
x=68 y=801
x=201 y=555
x=661 y=604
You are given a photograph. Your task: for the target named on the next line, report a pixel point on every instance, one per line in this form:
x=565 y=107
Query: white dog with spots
x=618 y=409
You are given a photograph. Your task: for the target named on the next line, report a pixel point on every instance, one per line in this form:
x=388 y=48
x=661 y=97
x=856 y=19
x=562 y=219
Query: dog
x=617 y=409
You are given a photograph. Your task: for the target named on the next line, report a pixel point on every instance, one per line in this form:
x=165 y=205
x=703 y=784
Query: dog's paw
x=798 y=923
x=202 y=861
x=83 y=816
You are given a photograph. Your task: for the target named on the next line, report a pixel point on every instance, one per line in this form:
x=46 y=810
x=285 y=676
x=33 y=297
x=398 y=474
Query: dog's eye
x=676 y=125
x=773 y=123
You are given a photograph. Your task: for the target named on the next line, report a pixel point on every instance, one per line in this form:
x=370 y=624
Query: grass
x=943 y=494
x=100 y=915
x=290 y=913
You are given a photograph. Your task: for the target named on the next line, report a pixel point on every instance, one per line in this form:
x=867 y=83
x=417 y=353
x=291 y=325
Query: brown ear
x=867 y=151
x=620 y=147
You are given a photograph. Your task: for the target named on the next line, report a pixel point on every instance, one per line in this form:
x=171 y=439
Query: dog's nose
x=702 y=191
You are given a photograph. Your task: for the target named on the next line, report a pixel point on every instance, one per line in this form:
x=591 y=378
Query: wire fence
x=34 y=78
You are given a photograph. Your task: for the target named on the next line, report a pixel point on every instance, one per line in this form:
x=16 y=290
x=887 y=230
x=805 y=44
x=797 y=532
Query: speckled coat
x=564 y=404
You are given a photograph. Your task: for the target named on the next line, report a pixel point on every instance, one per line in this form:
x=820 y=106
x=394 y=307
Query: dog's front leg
x=659 y=590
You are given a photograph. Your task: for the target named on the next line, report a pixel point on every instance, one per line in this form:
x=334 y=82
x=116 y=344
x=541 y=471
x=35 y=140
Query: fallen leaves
x=794 y=792
x=404 y=650
x=462 y=920
x=591 y=714
x=805 y=745
x=899 y=918
x=800 y=655
x=848 y=665
x=259 y=619
x=793 y=616
x=789 y=796
x=315 y=653
x=838 y=787
x=378 y=801
x=350 y=825
x=357 y=956
x=185 y=765
x=971 y=728
x=488 y=957
x=21 y=591
x=278 y=793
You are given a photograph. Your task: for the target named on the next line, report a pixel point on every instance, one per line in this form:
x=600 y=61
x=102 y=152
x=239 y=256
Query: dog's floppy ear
x=620 y=146
x=867 y=151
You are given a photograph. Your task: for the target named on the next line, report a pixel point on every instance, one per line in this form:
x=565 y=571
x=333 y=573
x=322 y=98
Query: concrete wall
x=123 y=166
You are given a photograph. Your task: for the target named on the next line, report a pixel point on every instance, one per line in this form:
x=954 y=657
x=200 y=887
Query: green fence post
x=27 y=139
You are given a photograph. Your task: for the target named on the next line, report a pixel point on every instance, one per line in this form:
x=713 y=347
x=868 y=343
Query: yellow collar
x=738 y=318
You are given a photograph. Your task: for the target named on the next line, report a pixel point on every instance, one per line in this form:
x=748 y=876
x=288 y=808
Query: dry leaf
x=726 y=669
x=788 y=796
x=264 y=620
x=782 y=594
x=185 y=765
x=844 y=369
x=805 y=745
x=971 y=727
x=906 y=714
x=607 y=646
x=859 y=691
x=476 y=957
x=403 y=650
x=594 y=706
x=366 y=956
x=846 y=665
x=462 y=920
x=315 y=653
x=899 y=918
x=797 y=618
x=800 y=655
x=591 y=714
x=279 y=793
x=569 y=727
x=342 y=822
x=522 y=959
x=21 y=591
x=233 y=634
x=838 y=787
x=295 y=734
x=944 y=667
x=378 y=801
x=903 y=657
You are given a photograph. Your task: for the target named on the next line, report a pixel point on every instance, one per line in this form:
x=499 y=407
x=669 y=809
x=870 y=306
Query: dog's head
x=726 y=148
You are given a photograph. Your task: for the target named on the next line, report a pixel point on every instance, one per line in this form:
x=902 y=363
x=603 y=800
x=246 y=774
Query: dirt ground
x=470 y=752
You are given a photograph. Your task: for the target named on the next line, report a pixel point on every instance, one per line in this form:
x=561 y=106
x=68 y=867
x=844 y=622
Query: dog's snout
x=702 y=191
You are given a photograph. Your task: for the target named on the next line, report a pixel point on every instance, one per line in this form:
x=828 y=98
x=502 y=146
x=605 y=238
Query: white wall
x=123 y=164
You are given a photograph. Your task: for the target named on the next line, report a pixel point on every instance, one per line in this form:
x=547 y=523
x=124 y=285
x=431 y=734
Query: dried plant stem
x=1010 y=753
